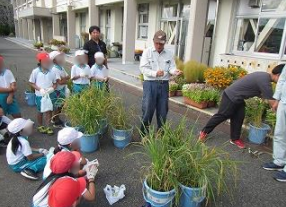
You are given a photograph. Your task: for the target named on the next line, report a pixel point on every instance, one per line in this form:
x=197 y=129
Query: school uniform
x=45 y=80
x=60 y=90
x=99 y=72
x=81 y=83
x=6 y=79
x=18 y=162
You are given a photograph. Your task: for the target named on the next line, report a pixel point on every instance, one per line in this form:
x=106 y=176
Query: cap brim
x=160 y=41
x=29 y=122
x=79 y=135
x=82 y=185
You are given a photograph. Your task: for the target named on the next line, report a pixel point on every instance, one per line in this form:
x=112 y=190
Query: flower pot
x=179 y=93
x=30 y=98
x=103 y=126
x=121 y=138
x=192 y=197
x=172 y=93
x=257 y=135
x=211 y=104
x=157 y=198
x=89 y=143
x=190 y=102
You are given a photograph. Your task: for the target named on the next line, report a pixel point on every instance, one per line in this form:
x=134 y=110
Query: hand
x=67 y=78
x=160 y=73
x=178 y=72
x=43 y=92
x=50 y=90
x=43 y=151
x=91 y=172
x=9 y=99
x=275 y=106
x=83 y=75
x=13 y=88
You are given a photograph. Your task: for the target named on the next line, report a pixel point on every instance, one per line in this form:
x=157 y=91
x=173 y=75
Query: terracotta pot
x=179 y=93
x=211 y=104
x=172 y=93
x=190 y=102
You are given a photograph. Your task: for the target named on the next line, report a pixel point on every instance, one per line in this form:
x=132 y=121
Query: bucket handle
x=151 y=202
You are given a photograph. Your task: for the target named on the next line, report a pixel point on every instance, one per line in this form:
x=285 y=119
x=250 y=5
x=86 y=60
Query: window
x=260 y=29
x=143 y=20
x=82 y=18
x=108 y=25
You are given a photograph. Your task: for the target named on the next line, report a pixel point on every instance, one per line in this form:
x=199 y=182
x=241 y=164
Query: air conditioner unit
x=254 y=3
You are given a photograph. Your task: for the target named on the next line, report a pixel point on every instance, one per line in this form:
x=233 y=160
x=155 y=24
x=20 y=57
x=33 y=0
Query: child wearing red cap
x=7 y=89
x=61 y=188
x=44 y=81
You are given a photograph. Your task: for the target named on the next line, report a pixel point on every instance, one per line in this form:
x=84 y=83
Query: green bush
x=194 y=72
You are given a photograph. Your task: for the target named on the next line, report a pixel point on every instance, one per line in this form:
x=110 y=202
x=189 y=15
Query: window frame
x=141 y=24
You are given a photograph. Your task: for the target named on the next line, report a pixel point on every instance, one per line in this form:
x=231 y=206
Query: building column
x=129 y=25
x=56 y=25
x=25 y=28
x=71 y=27
x=44 y=32
x=30 y=29
x=116 y=24
x=93 y=13
x=19 y=26
x=196 y=30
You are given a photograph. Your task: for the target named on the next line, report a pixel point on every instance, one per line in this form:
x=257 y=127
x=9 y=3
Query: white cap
x=19 y=124
x=99 y=55
x=79 y=52
x=54 y=54
x=68 y=135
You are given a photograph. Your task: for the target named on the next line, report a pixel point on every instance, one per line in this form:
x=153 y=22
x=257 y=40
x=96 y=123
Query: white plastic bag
x=46 y=104
x=67 y=92
x=114 y=194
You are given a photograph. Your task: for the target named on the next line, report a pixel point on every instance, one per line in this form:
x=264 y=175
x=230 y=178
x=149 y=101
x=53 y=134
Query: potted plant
x=30 y=96
x=81 y=112
x=119 y=117
x=194 y=72
x=255 y=109
x=38 y=45
x=172 y=88
x=199 y=95
x=180 y=80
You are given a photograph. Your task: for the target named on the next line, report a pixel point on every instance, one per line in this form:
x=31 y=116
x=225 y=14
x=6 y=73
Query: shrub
x=255 y=110
x=201 y=92
x=57 y=42
x=38 y=45
x=64 y=49
x=194 y=72
x=173 y=86
x=48 y=49
x=180 y=80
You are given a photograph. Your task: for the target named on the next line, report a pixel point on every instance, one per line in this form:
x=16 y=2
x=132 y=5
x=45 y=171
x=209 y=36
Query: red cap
x=42 y=56
x=65 y=191
x=63 y=161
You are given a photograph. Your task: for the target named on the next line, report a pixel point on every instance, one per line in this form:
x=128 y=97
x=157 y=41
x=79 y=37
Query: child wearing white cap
x=68 y=140
x=80 y=72
x=19 y=153
x=58 y=59
x=99 y=72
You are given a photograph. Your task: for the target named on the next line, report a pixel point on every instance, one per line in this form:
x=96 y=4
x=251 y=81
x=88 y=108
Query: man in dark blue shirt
x=94 y=45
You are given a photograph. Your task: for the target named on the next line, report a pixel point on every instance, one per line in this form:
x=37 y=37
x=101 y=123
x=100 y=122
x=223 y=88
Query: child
x=63 y=164
x=80 y=72
x=99 y=72
x=4 y=136
x=68 y=140
x=19 y=153
x=7 y=90
x=58 y=59
x=43 y=80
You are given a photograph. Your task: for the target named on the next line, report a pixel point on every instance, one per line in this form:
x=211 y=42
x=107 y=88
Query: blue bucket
x=121 y=138
x=192 y=197
x=103 y=126
x=30 y=98
x=157 y=198
x=257 y=135
x=89 y=143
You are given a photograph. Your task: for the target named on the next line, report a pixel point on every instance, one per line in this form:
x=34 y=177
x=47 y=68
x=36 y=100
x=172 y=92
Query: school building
x=249 y=33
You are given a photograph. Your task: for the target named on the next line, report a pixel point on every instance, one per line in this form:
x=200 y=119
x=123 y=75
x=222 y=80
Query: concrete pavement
x=255 y=187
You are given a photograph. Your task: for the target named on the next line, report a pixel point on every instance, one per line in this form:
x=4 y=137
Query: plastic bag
x=114 y=194
x=46 y=104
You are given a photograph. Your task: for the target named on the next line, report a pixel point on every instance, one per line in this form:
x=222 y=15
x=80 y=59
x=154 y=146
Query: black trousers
x=228 y=110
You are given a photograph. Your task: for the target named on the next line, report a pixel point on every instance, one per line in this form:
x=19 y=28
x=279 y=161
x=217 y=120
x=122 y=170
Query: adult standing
x=94 y=45
x=279 y=141
x=232 y=104
x=157 y=65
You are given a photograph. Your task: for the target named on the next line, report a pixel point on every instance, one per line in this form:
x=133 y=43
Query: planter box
x=179 y=93
x=172 y=93
x=211 y=104
x=190 y=102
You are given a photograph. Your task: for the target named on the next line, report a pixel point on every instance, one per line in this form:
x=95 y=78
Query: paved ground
x=255 y=187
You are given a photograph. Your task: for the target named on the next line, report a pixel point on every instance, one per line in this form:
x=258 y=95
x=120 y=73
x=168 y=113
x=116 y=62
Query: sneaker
x=272 y=167
x=49 y=131
x=203 y=136
x=29 y=174
x=239 y=143
x=280 y=176
x=42 y=129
